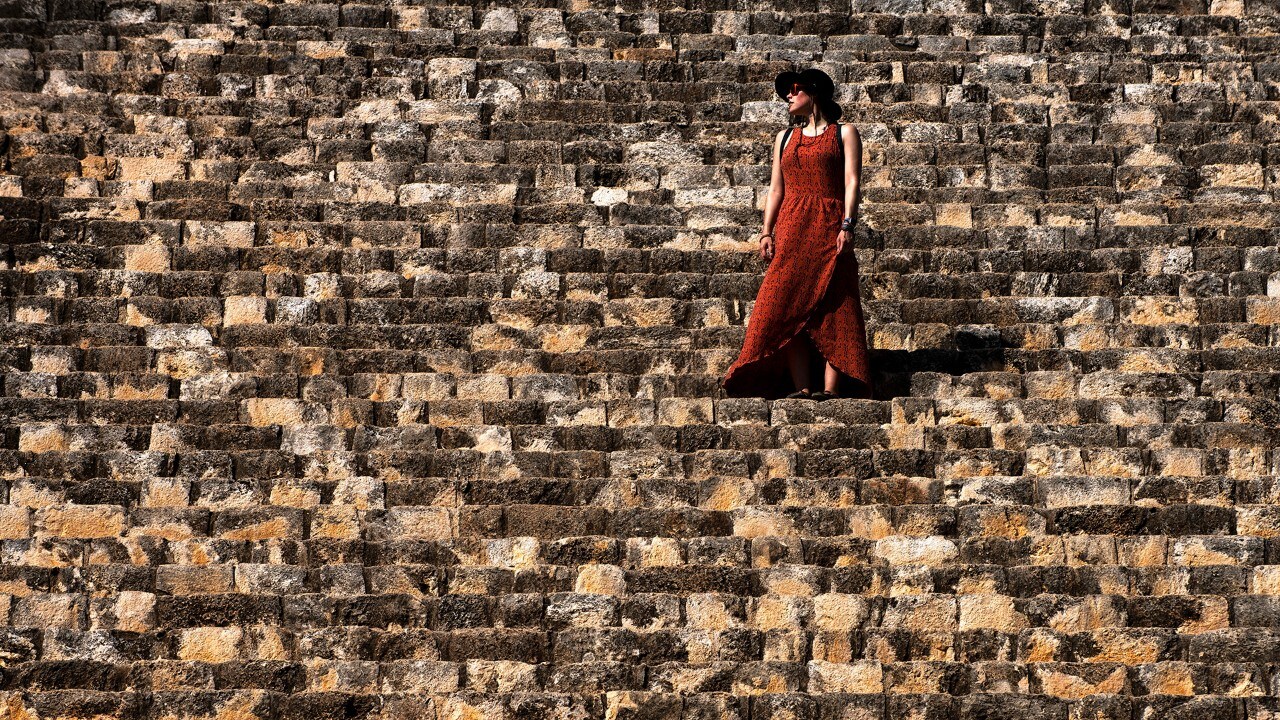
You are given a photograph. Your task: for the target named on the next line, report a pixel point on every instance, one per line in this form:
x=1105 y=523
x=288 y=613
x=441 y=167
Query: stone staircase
x=362 y=361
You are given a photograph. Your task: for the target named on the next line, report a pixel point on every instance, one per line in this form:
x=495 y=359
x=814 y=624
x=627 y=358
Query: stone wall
x=361 y=361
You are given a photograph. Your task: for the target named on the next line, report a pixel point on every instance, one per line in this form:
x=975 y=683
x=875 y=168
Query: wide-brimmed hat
x=821 y=88
x=820 y=84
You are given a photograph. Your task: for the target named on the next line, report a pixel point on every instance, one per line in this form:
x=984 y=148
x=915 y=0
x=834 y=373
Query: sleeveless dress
x=807 y=287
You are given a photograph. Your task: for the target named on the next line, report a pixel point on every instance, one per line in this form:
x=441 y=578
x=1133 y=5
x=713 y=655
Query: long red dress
x=807 y=287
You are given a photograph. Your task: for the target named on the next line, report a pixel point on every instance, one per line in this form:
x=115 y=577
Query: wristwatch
x=847 y=223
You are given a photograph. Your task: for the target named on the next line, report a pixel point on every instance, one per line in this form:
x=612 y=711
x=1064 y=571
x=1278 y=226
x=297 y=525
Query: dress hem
x=803 y=328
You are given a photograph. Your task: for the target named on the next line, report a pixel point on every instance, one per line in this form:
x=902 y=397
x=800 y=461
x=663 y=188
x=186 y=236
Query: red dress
x=807 y=287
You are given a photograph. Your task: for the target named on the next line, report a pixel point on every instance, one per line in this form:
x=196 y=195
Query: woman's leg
x=831 y=379
x=798 y=362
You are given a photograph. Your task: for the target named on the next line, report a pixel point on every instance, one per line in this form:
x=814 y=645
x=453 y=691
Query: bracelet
x=765 y=235
x=847 y=223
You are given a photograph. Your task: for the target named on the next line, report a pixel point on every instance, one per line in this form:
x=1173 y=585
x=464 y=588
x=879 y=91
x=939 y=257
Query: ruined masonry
x=362 y=361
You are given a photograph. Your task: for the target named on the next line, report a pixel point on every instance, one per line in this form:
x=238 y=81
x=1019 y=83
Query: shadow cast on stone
x=977 y=350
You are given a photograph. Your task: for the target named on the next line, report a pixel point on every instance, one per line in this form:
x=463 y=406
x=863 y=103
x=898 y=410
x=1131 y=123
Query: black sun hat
x=820 y=87
x=820 y=84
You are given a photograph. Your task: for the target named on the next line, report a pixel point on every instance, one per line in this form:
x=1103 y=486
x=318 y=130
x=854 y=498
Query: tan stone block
x=484 y=387
x=1135 y=217
x=685 y=411
x=1007 y=522
x=1165 y=311
x=772 y=612
x=713 y=611
x=577 y=413
x=1194 y=551
x=1264 y=311
x=1115 y=462
x=996 y=612
x=932 y=551
x=1086 y=337
x=954 y=215
x=751 y=522
x=146 y=258
x=1249 y=175
x=502 y=676
x=636 y=312
x=15 y=522
x=427 y=386
x=324 y=50
x=244 y=310
x=361 y=492
x=1258 y=520
x=654 y=552
x=1040 y=645
x=1214 y=615
x=1142 y=551
x=513 y=552
x=1179 y=461
x=767 y=551
x=295 y=493
x=173 y=529
x=154 y=169
x=835 y=611
x=564 y=338
x=862 y=677
x=797 y=580
x=922 y=612
x=1087 y=613
x=38 y=438
x=1167 y=678
x=1090 y=549
x=10 y=186
x=81 y=521
x=1074 y=681
x=1168 y=580
x=276 y=528
x=133 y=611
x=835 y=646
x=911 y=580
x=136 y=316
x=261 y=412
x=916 y=677
x=210 y=233
x=48 y=610
x=419 y=676
x=601 y=579
x=1125 y=645
x=194 y=579
x=419 y=523
x=359 y=677
x=455 y=413
x=1265 y=580
x=210 y=644
x=632 y=413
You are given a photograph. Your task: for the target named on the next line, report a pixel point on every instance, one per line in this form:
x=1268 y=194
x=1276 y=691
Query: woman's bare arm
x=852 y=170
x=774 y=200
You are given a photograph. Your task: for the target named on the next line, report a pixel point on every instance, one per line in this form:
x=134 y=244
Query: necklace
x=816 y=134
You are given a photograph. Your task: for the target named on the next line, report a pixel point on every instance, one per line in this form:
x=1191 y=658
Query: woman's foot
x=801 y=395
x=825 y=395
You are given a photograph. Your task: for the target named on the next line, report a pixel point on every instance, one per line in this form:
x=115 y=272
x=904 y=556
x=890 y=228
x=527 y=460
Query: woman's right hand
x=766 y=248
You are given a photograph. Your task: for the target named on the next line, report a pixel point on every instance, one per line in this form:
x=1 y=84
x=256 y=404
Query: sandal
x=800 y=395
x=824 y=395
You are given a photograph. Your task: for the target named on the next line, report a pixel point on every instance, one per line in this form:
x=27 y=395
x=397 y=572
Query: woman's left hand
x=842 y=241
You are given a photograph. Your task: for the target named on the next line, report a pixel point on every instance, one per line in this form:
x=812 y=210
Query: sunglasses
x=796 y=89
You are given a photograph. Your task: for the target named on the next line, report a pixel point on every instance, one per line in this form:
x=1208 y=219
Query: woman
x=808 y=309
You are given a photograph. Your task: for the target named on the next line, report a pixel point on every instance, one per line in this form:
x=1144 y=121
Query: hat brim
x=820 y=84
x=782 y=84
